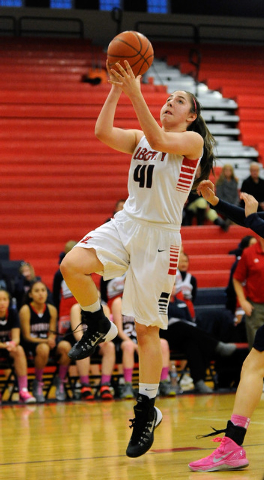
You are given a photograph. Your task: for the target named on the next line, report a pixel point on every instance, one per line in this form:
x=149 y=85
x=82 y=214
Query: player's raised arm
x=173 y=136
x=116 y=138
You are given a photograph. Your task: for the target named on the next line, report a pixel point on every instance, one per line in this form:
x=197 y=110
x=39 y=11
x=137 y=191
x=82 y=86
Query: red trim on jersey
x=34 y=310
x=174 y=257
x=85 y=239
x=187 y=173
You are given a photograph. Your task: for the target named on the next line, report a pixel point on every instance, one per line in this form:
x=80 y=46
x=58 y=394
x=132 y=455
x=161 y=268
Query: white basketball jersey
x=185 y=285
x=158 y=184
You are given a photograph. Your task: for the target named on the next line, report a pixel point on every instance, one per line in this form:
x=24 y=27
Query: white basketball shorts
x=149 y=253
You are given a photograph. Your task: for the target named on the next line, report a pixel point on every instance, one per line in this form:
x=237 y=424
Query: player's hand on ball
x=125 y=78
x=111 y=76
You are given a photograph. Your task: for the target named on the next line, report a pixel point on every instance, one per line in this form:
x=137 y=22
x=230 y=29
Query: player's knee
x=253 y=363
x=66 y=266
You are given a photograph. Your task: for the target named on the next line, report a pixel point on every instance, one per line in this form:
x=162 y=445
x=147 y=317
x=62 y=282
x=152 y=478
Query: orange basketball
x=133 y=47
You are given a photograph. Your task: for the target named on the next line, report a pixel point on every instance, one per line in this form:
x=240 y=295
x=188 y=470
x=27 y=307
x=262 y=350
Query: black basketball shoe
x=147 y=418
x=99 y=330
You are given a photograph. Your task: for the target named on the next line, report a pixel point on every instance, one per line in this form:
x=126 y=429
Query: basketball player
x=144 y=238
x=230 y=455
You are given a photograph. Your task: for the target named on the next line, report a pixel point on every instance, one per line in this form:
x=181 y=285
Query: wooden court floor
x=87 y=441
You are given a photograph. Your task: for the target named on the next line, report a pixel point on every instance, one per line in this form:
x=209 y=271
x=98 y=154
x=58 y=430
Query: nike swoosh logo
x=149 y=389
x=161 y=250
x=216 y=460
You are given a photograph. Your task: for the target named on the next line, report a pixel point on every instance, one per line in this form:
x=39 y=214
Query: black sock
x=236 y=433
x=94 y=320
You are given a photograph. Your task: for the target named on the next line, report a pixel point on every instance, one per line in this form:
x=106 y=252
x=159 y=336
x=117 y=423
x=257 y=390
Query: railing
x=50 y=26
x=217 y=33
x=168 y=30
x=192 y=33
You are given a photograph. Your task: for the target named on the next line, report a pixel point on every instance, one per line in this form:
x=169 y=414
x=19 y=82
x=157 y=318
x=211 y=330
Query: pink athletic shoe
x=228 y=456
x=26 y=397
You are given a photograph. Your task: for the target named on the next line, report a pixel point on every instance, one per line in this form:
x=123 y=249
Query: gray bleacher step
x=235 y=152
x=220 y=139
x=219 y=116
x=217 y=112
x=220 y=129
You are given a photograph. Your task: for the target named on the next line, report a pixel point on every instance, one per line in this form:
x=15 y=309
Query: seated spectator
x=254 y=185
x=198 y=207
x=248 y=279
x=106 y=350
x=126 y=341
x=186 y=290
x=63 y=299
x=10 y=348
x=185 y=337
x=6 y=281
x=38 y=325
x=231 y=299
x=227 y=185
x=118 y=206
x=23 y=282
x=186 y=284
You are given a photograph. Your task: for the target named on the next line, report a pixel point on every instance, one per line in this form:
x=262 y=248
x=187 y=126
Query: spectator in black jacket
x=254 y=185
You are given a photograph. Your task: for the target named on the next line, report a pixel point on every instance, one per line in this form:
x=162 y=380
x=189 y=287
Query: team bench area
x=9 y=388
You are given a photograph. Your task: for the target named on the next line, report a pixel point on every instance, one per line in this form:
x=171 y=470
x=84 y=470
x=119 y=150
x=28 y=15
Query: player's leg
x=149 y=282
x=252 y=374
x=230 y=454
x=147 y=416
x=77 y=267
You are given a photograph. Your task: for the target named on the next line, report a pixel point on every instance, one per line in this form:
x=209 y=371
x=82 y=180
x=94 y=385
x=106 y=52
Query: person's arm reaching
x=253 y=220
x=236 y=214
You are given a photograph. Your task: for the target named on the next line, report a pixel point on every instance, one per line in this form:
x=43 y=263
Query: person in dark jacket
x=254 y=185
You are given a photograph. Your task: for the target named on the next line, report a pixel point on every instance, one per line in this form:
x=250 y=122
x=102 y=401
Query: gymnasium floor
x=87 y=441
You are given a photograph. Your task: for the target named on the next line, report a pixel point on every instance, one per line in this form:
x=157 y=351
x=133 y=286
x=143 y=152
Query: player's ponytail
x=199 y=126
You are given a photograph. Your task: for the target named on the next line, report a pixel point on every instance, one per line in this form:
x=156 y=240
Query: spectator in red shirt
x=249 y=286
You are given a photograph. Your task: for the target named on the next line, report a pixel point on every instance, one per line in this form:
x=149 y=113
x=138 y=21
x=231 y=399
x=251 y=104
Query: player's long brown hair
x=199 y=126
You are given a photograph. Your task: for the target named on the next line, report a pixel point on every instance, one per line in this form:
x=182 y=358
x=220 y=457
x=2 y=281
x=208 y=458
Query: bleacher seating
x=58 y=180
x=234 y=70
x=219 y=113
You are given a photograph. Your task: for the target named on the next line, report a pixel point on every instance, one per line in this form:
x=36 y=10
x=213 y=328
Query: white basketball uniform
x=144 y=238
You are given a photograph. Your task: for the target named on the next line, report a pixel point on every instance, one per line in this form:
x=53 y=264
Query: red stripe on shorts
x=174 y=257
